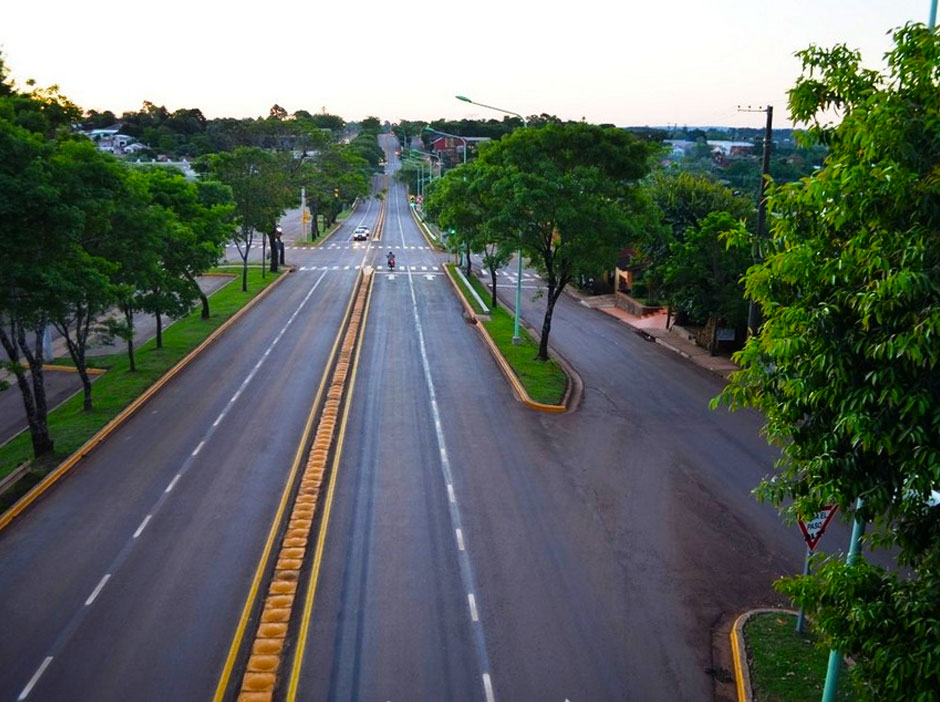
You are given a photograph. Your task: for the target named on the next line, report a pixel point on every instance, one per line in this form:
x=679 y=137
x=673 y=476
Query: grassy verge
x=70 y=426
x=544 y=381
x=786 y=666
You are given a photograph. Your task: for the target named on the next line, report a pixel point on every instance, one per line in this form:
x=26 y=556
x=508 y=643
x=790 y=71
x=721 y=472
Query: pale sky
x=627 y=63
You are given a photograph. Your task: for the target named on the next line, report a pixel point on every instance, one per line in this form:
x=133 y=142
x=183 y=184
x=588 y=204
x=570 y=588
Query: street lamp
x=516 y=339
x=453 y=136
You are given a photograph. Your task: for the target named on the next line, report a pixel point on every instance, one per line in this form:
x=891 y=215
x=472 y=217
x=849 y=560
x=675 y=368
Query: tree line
x=83 y=233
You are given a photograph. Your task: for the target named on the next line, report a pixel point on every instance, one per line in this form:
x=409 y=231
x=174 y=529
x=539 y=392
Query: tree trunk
x=159 y=330
x=129 y=318
x=495 y=302
x=34 y=406
x=469 y=262
x=553 y=295
x=315 y=227
x=202 y=296
x=245 y=273
x=272 y=240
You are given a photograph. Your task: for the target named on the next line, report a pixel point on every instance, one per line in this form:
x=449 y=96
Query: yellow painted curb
x=40 y=488
x=277 y=629
x=507 y=370
x=737 y=652
x=742 y=675
x=73 y=369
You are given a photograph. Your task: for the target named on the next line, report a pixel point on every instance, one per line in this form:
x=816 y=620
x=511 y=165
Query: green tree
x=684 y=201
x=259 y=186
x=704 y=271
x=459 y=206
x=567 y=195
x=846 y=365
x=32 y=218
x=81 y=287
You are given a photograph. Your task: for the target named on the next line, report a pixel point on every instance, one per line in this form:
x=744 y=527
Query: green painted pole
x=835 y=658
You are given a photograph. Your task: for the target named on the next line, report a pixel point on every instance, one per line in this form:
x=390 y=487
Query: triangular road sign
x=815 y=527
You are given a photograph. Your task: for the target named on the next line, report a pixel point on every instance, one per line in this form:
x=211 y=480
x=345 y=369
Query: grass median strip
x=786 y=666
x=544 y=381
x=70 y=426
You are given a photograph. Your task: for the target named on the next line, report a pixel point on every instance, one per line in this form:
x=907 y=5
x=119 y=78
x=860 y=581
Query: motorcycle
x=391 y=263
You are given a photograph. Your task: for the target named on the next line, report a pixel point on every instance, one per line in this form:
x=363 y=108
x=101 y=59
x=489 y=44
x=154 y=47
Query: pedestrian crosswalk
x=352 y=245
x=432 y=270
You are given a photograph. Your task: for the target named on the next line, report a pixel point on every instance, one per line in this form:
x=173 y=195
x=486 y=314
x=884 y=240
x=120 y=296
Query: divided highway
x=476 y=549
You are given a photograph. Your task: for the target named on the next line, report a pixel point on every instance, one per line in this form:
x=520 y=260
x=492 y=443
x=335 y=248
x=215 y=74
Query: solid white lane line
x=172 y=483
x=473 y=607
x=219 y=419
x=93 y=595
x=460 y=539
x=29 y=686
x=143 y=525
x=488 y=687
x=450 y=493
x=199 y=447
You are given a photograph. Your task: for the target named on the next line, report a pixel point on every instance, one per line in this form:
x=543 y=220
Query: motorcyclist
x=391 y=259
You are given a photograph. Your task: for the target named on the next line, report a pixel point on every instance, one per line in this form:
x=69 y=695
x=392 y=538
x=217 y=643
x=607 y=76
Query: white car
x=361 y=234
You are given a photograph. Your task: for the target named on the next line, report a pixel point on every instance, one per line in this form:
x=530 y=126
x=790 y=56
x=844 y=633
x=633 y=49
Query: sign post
x=812 y=533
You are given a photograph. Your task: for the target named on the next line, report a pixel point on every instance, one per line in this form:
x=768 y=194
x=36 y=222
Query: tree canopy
x=846 y=365
x=566 y=195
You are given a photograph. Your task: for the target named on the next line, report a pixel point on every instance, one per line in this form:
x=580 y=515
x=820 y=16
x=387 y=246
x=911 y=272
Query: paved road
x=129 y=577
x=599 y=546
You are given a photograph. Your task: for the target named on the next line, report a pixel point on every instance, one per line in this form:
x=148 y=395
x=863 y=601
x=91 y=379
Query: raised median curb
x=425 y=232
x=575 y=386
x=742 y=675
x=63 y=468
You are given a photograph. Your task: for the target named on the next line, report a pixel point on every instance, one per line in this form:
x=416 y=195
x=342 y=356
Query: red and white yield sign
x=814 y=528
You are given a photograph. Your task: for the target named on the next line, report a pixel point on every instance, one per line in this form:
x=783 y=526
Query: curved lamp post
x=516 y=339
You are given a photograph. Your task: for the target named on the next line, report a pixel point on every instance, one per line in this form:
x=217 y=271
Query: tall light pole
x=933 y=15
x=453 y=136
x=516 y=339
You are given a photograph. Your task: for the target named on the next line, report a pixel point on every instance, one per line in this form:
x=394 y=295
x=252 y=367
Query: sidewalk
x=653 y=327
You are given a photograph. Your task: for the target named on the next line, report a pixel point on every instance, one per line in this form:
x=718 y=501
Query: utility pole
x=753 y=314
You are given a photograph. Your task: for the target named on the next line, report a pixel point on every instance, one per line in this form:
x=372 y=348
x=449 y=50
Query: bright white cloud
x=688 y=62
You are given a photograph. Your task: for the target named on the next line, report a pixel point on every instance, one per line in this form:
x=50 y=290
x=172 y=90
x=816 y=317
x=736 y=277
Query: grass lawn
x=545 y=381
x=70 y=426
x=786 y=666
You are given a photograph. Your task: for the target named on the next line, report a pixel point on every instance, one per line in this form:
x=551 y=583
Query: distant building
x=110 y=139
x=452 y=147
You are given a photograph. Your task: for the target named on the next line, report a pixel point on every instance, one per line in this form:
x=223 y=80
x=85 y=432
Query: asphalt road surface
x=477 y=549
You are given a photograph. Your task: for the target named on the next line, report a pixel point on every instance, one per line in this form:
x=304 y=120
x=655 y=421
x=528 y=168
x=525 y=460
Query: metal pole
x=753 y=319
x=516 y=339
x=933 y=15
x=835 y=658
x=802 y=615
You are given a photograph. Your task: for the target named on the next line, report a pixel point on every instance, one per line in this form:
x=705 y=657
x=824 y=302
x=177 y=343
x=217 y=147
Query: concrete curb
x=422 y=227
x=504 y=366
x=742 y=675
x=52 y=478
